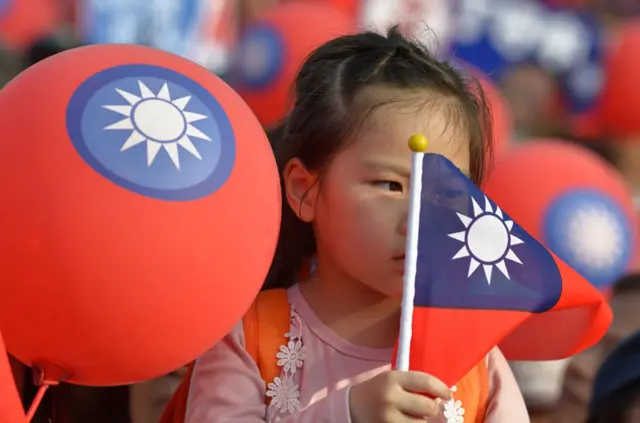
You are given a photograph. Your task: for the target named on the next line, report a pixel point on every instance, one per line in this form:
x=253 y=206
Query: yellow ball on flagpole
x=418 y=143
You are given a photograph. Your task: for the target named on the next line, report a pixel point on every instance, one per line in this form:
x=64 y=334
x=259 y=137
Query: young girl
x=345 y=165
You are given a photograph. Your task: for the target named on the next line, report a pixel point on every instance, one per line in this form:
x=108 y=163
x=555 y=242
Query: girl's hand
x=395 y=397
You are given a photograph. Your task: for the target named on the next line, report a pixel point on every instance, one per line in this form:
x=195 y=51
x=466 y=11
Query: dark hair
x=615 y=408
x=43 y=48
x=629 y=283
x=11 y=64
x=325 y=116
x=274 y=135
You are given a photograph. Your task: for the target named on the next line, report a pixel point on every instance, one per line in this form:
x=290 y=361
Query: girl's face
x=360 y=212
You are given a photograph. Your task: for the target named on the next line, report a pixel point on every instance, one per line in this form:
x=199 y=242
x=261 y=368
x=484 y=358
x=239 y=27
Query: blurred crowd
x=551 y=92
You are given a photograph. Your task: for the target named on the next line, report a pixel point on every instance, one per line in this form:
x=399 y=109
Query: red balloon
x=22 y=22
x=10 y=405
x=273 y=48
x=350 y=8
x=502 y=123
x=500 y=112
x=142 y=216
x=573 y=202
x=620 y=98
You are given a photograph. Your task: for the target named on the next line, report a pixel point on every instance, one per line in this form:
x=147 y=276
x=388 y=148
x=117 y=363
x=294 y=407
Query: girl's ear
x=301 y=189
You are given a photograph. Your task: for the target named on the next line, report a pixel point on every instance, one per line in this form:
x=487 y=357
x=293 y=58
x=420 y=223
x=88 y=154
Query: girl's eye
x=389 y=186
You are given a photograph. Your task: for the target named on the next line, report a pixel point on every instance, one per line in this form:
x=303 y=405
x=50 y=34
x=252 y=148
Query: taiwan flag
x=477 y=280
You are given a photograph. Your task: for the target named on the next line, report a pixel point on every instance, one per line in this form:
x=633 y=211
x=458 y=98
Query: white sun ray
x=164 y=94
x=145 y=92
x=130 y=98
x=159 y=122
x=123 y=110
x=182 y=102
x=486 y=239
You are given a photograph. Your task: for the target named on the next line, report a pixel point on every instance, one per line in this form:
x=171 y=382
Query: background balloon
x=502 y=122
x=571 y=200
x=10 y=405
x=273 y=48
x=142 y=187
x=620 y=99
x=351 y=8
x=24 y=21
x=500 y=110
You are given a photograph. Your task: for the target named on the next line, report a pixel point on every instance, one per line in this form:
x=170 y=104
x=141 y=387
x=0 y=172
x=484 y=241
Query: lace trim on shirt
x=453 y=411
x=284 y=393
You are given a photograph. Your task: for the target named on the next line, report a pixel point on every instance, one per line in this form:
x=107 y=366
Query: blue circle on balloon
x=259 y=57
x=566 y=227
x=152 y=131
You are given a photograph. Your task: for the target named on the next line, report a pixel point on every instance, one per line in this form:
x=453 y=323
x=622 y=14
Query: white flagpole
x=418 y=145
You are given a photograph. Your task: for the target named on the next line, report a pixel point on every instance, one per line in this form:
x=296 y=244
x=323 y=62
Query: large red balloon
x=25 y=21
x=573 y=202
x=10 y=405
x=620 y=98
x=140 y=212
x=273 y=48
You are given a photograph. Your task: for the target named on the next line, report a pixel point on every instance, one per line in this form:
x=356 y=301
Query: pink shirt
x=315 y=379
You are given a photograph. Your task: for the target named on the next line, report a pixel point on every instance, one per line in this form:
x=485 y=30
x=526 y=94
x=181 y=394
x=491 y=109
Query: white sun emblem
x=594 y=236
x=487 y=240
x=159 y=121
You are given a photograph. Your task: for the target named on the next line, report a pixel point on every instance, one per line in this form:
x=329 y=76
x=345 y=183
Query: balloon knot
x=48 y=374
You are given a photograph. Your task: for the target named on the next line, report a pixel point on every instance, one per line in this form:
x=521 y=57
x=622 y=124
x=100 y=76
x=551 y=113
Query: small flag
x=475 y=279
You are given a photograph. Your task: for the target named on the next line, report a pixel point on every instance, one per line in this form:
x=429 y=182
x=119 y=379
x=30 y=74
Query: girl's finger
x=423 y=383
x=417 y=405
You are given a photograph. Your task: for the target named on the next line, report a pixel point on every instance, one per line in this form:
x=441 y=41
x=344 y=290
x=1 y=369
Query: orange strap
x=265 y=325
x=176 y=408
x=483 y=377
x=473 y=392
